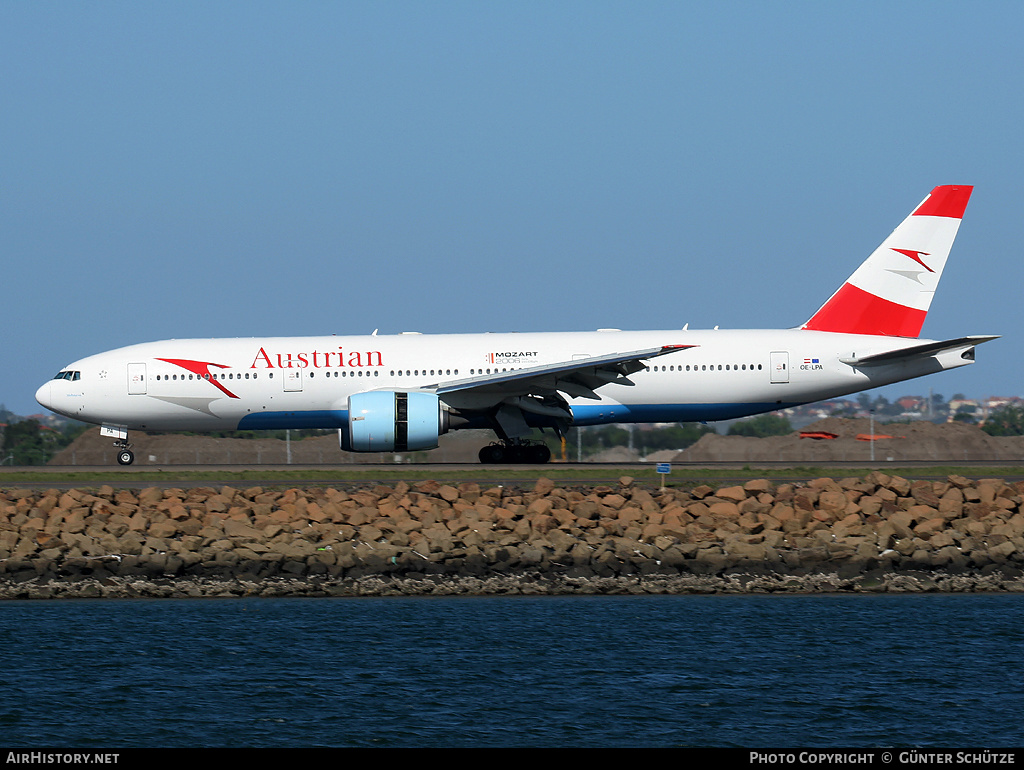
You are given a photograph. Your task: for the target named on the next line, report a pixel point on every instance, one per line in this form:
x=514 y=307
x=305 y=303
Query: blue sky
x=207 y=169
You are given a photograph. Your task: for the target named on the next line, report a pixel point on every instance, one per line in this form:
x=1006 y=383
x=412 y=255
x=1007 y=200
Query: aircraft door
x=780 y=366
x=136 y=379
x=292 y=380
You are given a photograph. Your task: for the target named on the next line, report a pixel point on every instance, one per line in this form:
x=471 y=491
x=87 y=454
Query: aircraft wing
x=580 y=377
x=925 y=349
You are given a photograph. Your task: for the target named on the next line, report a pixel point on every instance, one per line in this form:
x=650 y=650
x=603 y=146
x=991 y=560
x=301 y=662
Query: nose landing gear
x=119 y=433
x=125 y=456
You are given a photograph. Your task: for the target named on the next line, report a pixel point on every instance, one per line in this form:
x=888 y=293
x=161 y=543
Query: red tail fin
x=890 y=293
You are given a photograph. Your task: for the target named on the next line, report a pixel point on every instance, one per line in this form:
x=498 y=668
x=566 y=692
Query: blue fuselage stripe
x=583 y=414
x=316 y=418
x=601 y=414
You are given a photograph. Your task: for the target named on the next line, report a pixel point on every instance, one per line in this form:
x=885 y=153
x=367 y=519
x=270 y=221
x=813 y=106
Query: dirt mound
x=173 y=449
x=950 y=442
x=893 y=442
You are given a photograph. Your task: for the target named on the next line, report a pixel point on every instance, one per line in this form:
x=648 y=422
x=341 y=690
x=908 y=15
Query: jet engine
x=393 y=421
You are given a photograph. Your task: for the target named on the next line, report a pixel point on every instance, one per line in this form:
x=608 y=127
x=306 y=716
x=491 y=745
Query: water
x=764 y=671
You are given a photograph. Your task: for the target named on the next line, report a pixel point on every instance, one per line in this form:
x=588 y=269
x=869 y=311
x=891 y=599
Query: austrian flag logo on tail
x=202 y=369
x=916 y=256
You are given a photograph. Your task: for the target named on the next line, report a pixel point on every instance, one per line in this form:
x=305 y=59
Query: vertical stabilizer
x=890 y=293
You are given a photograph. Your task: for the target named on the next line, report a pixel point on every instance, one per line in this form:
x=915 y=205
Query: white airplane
x=401 y=392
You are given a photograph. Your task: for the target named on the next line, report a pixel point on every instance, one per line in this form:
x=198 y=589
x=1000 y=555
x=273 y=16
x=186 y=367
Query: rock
x=861 y=534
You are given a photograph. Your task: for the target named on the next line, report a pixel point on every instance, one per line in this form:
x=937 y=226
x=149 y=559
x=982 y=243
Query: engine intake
x=393 y=421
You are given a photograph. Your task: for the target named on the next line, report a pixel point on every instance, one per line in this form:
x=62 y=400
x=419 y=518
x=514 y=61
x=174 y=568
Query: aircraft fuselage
x=304 y=382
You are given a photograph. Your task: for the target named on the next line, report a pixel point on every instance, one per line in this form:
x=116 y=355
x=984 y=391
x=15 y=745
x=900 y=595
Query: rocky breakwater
x=879 y=533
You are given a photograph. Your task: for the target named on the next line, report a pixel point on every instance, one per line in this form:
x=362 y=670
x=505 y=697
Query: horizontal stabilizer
x=915 y=351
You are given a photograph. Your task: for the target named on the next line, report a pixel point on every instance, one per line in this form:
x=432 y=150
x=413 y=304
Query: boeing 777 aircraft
x=401 y=392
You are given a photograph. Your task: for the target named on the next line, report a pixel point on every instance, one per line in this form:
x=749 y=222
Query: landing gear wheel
x=126 y=457
x=538 y=454
x=534 y=454
x=492 y=454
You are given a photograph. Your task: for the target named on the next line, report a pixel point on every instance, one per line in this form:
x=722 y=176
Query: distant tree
x=940 y=407
x=678 y=436
x=604 y=437
x=963 y=415
x=1005 y=421
x=26 y=442
x=672 y=437
x=885 y=408
x=761 y=426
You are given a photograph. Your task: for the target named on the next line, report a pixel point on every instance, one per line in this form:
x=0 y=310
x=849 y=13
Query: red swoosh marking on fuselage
x=202 y=368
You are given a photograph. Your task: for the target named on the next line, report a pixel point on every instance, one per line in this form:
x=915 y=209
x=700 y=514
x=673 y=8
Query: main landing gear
x=515 y=451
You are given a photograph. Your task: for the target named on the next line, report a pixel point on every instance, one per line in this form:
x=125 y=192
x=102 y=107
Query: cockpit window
x=68 y=375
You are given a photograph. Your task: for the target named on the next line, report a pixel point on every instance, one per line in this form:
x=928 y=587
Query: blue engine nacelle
x=392 y=421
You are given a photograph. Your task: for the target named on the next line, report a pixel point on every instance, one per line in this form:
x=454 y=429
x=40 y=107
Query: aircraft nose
x=43 y=396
